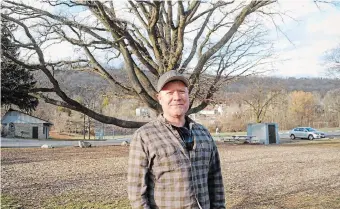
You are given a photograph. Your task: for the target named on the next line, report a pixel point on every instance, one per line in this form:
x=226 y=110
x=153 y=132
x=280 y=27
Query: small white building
x=19 y=124
x=212 y=111
x=220 y=110
x=142 y=112
x=264 y=133
x=208 y=112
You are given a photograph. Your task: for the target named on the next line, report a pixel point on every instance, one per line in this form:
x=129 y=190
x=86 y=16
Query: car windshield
x=310 y=129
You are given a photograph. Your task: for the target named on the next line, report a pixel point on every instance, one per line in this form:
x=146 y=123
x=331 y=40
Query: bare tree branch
x=149 y=38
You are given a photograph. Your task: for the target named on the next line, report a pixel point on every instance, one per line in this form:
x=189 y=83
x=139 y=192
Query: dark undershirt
x=186 y=135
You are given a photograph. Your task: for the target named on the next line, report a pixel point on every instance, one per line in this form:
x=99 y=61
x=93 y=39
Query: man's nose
x=176 y=95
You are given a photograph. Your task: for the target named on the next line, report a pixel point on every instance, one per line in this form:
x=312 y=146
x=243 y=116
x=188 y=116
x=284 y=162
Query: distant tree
x=302 y=105
x=332 y=103
x=16 y=81
x=332 y=61
x=332 y=57
x=260 y=97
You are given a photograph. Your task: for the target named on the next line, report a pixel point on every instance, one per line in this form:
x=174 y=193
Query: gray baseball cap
x=171 y=75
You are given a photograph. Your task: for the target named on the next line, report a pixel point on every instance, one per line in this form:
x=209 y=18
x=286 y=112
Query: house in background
x=145 y=112
x=19 y=124
x=212 y=110
x=142 y=112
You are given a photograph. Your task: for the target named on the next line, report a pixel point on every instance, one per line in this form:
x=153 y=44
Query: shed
x=265 y=133
x=19 y=124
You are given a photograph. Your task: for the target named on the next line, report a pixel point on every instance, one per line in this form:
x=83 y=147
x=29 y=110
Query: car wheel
x=310 y=137
x=292 y=136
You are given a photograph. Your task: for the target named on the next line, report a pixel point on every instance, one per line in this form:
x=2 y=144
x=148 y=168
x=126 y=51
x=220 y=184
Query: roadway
x=17 y=142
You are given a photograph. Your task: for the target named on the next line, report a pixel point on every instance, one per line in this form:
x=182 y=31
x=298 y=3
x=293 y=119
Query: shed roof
x=15 y=116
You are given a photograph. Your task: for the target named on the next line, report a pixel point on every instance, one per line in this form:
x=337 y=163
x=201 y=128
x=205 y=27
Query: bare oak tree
x=332 y=103
x=332 y=56
x=259 y=98
x=220 y=40
x=332 y=60
x=302 y=105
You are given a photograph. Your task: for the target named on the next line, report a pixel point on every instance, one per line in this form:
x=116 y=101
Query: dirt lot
x=297 y=175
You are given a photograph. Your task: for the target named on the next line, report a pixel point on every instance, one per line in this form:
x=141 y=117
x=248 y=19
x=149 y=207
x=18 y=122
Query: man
x=173 y=161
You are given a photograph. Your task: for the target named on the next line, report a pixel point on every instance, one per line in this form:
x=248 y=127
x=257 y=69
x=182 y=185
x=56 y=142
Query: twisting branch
x=117 y=32
x=92 y=114
x=250 y=8
x=149 y=38
x=72 y=104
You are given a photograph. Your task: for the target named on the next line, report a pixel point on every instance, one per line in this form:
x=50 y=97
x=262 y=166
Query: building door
x=35 y=132
x=45 y=132
x=272 y=134
x=11 y=130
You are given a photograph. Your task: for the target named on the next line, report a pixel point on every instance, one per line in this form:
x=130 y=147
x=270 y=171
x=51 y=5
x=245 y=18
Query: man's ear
x=158 y=95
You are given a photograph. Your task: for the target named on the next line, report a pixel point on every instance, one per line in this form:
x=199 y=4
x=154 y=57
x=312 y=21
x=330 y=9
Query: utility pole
x=89 y=120
x=84 y=127
x=89 y=126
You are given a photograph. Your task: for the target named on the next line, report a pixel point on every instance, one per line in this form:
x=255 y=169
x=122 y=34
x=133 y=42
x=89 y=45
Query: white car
x=306 y=132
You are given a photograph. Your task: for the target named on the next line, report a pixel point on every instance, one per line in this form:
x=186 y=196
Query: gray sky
x=301 y=41
x=313 y=31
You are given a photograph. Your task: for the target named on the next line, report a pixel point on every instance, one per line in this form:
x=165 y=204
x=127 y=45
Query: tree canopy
x=332 y=60
x=259 y=97
x=210 y=42
x=16 y=82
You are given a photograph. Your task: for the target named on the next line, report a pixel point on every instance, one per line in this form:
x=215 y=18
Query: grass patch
x=302 y=200
x=228 y=134
x=83 y=201
x=330 y=129
x=9 y=202
x=77 y=137
x=328 y=143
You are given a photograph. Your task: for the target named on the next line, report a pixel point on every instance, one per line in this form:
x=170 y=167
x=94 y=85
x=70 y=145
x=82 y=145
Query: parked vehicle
x=306 y=132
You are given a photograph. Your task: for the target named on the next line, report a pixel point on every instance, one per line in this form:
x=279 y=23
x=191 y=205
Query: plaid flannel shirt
x=163 y=174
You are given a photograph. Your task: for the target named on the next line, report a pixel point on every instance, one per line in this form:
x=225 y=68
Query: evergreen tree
x=16 y=82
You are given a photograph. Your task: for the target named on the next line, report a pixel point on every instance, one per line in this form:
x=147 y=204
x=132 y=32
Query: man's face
x=174 y=99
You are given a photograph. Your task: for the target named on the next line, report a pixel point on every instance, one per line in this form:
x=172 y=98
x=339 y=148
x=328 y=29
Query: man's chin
x=178 y=114
x=179 y=111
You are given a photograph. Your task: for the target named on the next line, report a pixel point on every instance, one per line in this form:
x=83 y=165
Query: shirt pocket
x=170 y=159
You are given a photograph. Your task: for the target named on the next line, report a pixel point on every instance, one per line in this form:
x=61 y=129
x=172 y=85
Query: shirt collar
x=163 y=120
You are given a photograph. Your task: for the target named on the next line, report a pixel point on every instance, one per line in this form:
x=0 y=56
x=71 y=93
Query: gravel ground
x=297 y=175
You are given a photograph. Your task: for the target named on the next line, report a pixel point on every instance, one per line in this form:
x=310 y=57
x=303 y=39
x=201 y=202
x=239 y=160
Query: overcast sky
x=313 y=31
x=301 y=41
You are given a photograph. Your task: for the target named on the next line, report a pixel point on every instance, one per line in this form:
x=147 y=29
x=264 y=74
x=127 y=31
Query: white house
x=19 y=124
x=208 y=111
x=142 y=112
